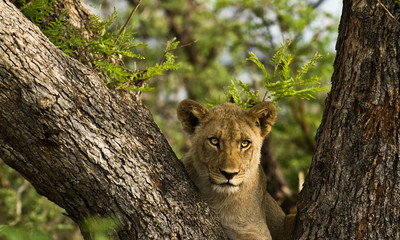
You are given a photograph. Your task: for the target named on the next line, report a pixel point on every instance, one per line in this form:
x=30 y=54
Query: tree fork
x=92 y=151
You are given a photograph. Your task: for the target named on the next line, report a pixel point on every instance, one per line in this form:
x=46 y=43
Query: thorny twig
x=128 y=20
x=182 y=46
x=390 y=14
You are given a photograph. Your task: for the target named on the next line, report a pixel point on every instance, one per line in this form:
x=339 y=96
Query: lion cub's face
x=227 y=147
x=226 y=141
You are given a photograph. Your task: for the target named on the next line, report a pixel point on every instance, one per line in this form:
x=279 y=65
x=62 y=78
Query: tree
x=352 y=190
x=93 y=151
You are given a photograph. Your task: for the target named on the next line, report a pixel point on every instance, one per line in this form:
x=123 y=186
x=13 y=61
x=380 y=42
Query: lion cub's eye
x=245 y=144
x=214 y=141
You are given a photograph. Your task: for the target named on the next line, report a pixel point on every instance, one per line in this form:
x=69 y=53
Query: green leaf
x=283 y=83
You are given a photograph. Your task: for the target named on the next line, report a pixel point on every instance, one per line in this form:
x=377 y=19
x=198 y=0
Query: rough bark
x=92 y=151
x=353 y=188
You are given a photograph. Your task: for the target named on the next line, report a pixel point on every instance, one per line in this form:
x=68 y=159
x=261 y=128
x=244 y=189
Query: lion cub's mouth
x=227 y=184
x=222 y=185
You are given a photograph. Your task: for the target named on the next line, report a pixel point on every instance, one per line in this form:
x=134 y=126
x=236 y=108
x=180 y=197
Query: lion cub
x=224 y=163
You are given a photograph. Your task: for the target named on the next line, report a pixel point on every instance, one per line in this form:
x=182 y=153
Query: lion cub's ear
x=266 y=114
x=190 y=113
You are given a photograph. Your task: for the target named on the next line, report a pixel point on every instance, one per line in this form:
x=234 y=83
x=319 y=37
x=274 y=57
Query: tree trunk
x=90 y=150
x=352 y=190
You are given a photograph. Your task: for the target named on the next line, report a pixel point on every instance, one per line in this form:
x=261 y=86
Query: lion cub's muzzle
x=226 y=179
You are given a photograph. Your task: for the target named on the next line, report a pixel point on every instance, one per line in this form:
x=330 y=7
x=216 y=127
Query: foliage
x=283 y=83
x=36 y=10
x=101 y=45
x=167 y=63
x=233 y=93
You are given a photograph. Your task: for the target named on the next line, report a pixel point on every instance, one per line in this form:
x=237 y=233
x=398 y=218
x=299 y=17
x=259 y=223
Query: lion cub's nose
x=228 y=175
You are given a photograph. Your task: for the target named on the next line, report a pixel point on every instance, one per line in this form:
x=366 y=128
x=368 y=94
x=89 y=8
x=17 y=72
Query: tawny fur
x=220 y=138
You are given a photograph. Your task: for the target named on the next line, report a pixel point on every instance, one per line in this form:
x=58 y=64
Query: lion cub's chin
x=225 y=188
